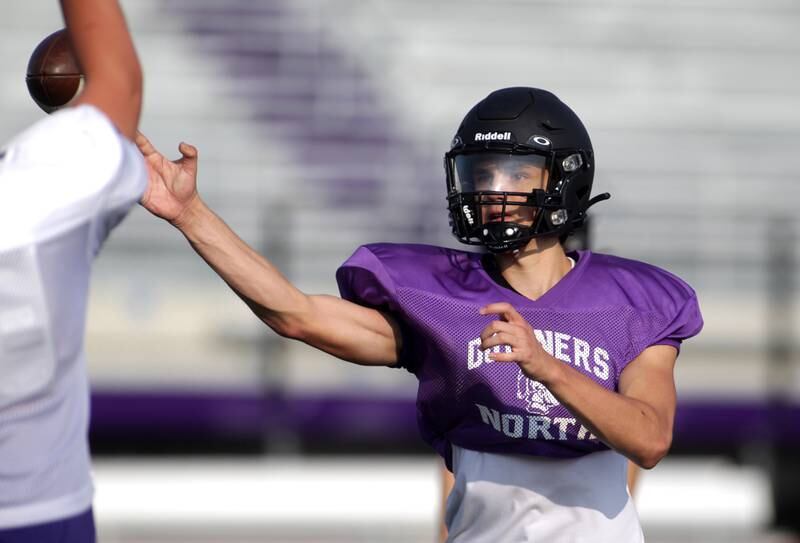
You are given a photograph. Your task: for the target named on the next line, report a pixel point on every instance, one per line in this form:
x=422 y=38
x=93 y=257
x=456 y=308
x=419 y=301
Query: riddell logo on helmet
x=493 y=136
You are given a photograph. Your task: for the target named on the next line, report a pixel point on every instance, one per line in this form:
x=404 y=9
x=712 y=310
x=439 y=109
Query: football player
x=65 y=182
x=539 y=371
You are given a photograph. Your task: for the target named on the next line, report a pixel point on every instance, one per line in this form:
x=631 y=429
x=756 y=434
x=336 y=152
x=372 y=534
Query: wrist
x=190 y=215
x=555 y=374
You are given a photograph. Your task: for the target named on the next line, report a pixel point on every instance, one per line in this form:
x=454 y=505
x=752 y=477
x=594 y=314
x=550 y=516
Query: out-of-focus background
x=321 y=126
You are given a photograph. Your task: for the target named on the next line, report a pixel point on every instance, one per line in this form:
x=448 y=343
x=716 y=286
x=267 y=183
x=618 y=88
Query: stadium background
x=321 y=126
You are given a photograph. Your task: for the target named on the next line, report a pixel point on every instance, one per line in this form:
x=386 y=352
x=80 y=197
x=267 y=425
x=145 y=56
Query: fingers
x=504 y=357
x=497 y=326
x=144 y=145
x=502 y=332
x=505 y=311
x=188 y=152
x=510 y=338
x=500 y=338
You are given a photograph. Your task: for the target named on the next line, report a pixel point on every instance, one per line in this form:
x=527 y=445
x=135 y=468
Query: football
x=54 y=77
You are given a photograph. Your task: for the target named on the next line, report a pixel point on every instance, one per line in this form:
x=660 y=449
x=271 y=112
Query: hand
x=513 y=330
x=172 y=185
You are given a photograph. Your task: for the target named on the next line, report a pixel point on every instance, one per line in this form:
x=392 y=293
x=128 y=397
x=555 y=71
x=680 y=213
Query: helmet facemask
x=503 y=198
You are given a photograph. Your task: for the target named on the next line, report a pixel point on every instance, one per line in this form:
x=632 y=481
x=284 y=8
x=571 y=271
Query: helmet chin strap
x=597 y=199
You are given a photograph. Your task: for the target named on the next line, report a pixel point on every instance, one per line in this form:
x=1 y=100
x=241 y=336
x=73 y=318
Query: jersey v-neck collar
x=488 y=267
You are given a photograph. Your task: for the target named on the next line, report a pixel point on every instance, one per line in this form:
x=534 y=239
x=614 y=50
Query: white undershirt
x=511 y=498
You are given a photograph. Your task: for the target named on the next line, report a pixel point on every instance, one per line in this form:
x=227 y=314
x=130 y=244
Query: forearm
x=277 y=302
x=630 y=426
x=346 y=330
x=100 y=36
x=105 y=51
x=353 y=332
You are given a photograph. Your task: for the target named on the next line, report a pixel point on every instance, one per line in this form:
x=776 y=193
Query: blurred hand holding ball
x=54 y=77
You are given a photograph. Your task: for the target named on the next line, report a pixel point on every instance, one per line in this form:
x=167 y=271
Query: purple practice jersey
x=597 y=318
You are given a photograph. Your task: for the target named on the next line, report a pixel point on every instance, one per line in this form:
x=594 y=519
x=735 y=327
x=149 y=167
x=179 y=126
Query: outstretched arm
x=344 y=329
x=105 y=53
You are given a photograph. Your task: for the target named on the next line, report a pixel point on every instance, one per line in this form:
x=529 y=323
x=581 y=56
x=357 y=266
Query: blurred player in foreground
x=65 y=182
x=539 y=371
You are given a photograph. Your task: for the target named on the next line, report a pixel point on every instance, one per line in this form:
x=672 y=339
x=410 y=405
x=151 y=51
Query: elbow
x=288 y=330
x=286 y=326
x=651 y=453
x=295 y=323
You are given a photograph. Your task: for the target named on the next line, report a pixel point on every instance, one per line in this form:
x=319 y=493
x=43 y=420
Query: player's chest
x=593 y=343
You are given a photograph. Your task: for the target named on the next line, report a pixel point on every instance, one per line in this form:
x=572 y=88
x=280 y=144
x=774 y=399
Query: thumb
x=188 y=158
x=188 y=152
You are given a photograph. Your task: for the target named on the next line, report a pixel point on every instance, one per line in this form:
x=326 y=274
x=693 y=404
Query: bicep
x=649 y=379
x=352 y=332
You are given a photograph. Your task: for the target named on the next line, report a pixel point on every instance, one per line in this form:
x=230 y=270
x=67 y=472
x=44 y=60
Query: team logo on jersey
x=579 y=353
x=476 y=357
x=542 y=422
x=535 y=395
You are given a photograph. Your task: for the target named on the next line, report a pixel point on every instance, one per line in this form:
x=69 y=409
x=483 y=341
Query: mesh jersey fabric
x=65 y=182
x=597 y=319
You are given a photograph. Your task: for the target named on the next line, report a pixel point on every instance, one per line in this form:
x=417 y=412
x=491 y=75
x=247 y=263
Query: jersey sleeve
x=70 y=168
x=672 y=313
x=363 y=279
x=686 y=322
x=124 y=191
x=79 y=141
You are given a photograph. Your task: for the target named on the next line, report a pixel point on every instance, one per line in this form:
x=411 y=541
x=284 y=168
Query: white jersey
x=514 y=499
x=64 y=184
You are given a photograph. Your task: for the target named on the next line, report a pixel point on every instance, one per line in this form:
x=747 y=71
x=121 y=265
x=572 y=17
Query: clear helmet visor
x=499 y=172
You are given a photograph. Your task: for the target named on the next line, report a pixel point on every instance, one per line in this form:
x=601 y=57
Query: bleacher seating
x=321 y=126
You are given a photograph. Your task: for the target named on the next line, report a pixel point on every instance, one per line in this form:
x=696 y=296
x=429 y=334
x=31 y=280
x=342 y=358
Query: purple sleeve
x=669 y=313
x=363 y=280
x=685 y=323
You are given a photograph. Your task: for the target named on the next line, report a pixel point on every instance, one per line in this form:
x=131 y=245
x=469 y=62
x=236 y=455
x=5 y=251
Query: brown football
x=54 y=77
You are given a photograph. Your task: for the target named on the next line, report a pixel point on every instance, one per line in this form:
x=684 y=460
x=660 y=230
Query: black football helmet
x=519 y=167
